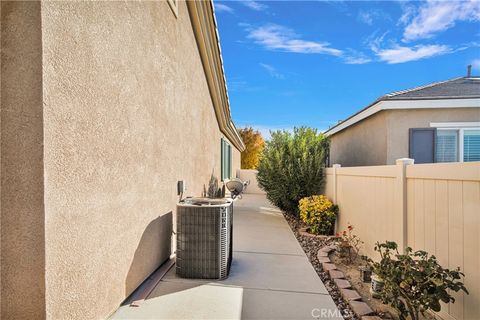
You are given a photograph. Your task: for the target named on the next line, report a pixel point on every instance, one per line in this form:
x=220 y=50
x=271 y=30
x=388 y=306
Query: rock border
x=350 y=295
x=304 y=232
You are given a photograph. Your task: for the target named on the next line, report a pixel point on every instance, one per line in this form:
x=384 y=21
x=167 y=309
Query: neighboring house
x=104 y=107
x=439 y=122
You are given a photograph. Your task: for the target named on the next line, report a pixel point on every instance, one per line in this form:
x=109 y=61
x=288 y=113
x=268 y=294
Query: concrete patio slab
x=267 y=271
x=256 y=201
x=263 y=239
x=267 y=304
x=187 y=300
x=276 y=272
x=251 y=217
x=270 y=278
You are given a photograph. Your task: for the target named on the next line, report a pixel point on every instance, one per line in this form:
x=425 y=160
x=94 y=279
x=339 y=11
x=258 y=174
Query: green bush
x=319 y=214
x=292 y=167
x=414 y=282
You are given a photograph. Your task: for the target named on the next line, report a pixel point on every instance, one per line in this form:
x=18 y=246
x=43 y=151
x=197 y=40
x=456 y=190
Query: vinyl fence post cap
x=405 y=161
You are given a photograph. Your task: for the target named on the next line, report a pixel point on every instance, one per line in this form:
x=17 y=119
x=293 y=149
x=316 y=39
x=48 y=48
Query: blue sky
x=294 y=63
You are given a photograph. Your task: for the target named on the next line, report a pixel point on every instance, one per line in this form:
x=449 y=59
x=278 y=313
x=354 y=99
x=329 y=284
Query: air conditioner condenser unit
x=204 y=238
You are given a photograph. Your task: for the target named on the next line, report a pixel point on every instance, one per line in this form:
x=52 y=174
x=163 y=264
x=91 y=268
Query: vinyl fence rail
x=432 y=207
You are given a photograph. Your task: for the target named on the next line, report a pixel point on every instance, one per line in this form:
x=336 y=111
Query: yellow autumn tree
x=254 y=145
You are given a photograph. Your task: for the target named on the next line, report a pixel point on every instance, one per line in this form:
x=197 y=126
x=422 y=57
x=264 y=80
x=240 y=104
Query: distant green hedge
x=292 y=167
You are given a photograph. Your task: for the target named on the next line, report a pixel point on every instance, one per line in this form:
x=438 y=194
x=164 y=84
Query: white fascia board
x=472 y=124
x=405 y=104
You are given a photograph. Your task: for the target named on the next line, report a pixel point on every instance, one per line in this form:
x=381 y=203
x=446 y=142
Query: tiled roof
x=455 y=88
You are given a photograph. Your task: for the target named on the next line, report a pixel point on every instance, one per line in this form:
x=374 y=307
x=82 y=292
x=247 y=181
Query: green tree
x=292 y=167
x=254 y=145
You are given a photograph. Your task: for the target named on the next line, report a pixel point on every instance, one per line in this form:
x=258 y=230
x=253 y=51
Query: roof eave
x=402 y=104
x=206 y=34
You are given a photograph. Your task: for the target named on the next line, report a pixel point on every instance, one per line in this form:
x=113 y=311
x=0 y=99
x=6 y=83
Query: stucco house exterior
x=438 y=122
x=104 y=107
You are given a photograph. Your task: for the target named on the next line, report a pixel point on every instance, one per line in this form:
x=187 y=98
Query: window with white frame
x=457 y=142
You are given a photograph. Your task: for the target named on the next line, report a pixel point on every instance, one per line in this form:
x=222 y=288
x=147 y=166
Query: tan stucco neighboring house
x=104 y=107
x=438 y=122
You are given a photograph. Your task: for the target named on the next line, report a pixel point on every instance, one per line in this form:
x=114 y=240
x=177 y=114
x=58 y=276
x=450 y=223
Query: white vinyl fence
x=433 y=207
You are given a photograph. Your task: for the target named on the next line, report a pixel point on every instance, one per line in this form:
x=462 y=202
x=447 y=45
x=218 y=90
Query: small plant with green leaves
x=414 y=282
x=319 y=214
x=349 y=244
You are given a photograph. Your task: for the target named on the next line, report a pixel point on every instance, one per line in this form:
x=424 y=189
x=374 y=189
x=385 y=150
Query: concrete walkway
x=270 y=278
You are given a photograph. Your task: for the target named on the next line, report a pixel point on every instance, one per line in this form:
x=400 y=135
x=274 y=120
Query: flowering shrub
x=349 y=244
x=414 y=282
x=318 y=213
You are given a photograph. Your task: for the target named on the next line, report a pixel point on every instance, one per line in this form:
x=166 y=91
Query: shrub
x=414 y=282
x=319 y=214
x=292 y=167
x=254 y=144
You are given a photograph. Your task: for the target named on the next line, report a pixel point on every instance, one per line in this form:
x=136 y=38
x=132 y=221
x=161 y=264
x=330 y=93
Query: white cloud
x=365 y=17
x=408 y=11
x=399 y=54
x=373 y=41
x=272 y=71
x=220 y=7
x=355 y=57
x=368 y=17
x=254 y=5
x=236 y=84
x=436 y=16
x=276 y=37
x=356 y=60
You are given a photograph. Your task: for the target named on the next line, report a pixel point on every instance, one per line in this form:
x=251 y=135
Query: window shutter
x=225 y=160
x=422 y=145
x=229 y=172
x=222 y=159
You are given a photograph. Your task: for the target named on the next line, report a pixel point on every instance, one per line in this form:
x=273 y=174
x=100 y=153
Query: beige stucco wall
x=126 y=114
x=22 y=229
x=364 y=143
x=400 y=121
